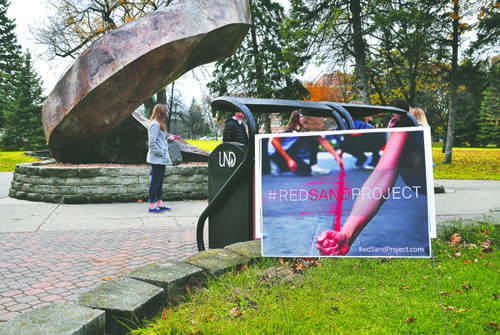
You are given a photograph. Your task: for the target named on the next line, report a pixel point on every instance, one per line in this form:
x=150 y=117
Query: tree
x=213 y=125
x=10 y=55
x=337 y=87
x=433 y=91
x=473 y=80
x=489 y=119
x=193 y=121
x=335 y=30
x=488 y=28
x=322 y=93
x=450 y=133
x=78 y=23
x=258 y=68
x=23 y=126
x=175 y=106
x=406 y=38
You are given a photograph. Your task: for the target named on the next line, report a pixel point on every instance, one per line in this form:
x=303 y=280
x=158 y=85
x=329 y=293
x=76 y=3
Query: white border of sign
x=431 y=212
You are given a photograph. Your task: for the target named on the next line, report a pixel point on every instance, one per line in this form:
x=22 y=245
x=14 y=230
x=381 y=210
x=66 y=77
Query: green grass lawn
x=468 y=163
x=354 y=296
x=8 y=160
x=205 y=145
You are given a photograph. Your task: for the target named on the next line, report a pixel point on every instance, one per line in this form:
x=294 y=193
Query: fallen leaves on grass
x=456 y=238
x=193 y=286
x=446 y=293
x=235 y=312
x=467 y=287
x=486 y=245
x=165 y=313
x=284 y=275
x=493 y=324
x=299 y=265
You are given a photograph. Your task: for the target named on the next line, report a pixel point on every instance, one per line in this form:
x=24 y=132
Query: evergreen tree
x=10 y=53
x=489 y=119
x=473 y=81
x=488 y=28
x=23 y=121
x=193 y=121
x=258 y=68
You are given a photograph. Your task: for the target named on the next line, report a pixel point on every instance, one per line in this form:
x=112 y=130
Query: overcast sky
x=32 y=13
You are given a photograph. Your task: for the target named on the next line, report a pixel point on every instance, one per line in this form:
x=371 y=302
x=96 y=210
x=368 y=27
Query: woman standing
x=295 y=124
x=158 y=157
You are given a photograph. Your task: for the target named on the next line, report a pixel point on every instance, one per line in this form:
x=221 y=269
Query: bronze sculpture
x=118 y=72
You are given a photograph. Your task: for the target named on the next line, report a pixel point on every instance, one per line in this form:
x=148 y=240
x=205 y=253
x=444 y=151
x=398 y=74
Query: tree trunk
x=260 y=84
x=171 y=105
x=149 y=104
x=450 y=134
x=161 y=96
x=359 y=51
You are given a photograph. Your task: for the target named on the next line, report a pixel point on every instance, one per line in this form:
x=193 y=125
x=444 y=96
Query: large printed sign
x=345 y=193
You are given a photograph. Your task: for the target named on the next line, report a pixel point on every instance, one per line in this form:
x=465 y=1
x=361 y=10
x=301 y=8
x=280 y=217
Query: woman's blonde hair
x=419 y=115
x=159 y=114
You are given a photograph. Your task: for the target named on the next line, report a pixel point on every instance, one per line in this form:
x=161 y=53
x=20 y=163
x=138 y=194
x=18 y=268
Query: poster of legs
x=358 y=193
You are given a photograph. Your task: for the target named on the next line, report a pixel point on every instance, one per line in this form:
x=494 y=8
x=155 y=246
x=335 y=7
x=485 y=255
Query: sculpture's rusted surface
x=118 y=72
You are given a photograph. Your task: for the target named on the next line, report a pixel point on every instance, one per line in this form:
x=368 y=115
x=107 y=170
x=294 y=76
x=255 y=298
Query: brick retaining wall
x=47 y=181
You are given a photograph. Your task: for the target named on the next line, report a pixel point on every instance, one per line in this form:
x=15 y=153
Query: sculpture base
x=48 y=181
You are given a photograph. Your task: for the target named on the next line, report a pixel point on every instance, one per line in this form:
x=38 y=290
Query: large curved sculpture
x=118 y=72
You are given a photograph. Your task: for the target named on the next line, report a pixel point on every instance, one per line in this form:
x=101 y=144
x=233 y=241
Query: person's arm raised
x=289 y=161
x=363 y=210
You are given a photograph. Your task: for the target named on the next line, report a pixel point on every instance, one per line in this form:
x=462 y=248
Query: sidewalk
x=55 y=252
x=467 y=198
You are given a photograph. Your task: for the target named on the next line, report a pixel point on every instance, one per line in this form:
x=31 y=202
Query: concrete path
x=55 y=252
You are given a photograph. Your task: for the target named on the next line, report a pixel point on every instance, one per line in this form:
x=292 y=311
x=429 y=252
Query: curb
x=117 y=306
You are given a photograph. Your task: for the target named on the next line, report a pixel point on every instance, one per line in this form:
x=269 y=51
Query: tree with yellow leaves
x=78 y=23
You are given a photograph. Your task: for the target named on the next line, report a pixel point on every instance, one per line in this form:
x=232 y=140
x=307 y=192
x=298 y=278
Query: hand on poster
x=332 y=243
x=394 y=120
x=291 y=163
x=328 y=147
x=337 y=242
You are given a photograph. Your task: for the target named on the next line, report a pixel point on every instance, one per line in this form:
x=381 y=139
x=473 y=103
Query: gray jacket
x=158 y=145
